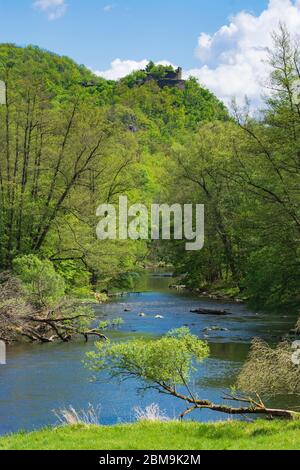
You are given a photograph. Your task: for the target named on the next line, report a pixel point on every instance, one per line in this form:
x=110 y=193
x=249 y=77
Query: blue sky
x=215 y=40
x=157 y=29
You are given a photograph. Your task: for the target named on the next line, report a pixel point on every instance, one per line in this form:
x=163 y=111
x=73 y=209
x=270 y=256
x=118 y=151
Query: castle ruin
x=172 y=79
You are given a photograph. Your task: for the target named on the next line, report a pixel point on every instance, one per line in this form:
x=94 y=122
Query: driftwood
x=43 y=327
x=210 y=311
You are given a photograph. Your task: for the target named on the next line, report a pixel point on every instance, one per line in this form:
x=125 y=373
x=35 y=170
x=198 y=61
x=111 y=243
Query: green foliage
x=168 y=360
x=125 y=281
x=246 y=173
x=61 y=75
x=201 y=105
x=44 y=286
x=110 y=324
x=55 y=171
x=158 y=71
x=272 y=277
x=134 y=78
x=169 y=109
x=80 y=317
x=76 y=276
x=70 y=141
x=102 y=298
x=63 y=152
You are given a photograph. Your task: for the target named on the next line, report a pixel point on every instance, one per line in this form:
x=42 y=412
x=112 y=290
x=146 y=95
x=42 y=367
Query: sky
x=222 y=43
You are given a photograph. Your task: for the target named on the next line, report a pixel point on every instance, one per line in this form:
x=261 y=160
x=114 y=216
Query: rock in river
x=210 y=311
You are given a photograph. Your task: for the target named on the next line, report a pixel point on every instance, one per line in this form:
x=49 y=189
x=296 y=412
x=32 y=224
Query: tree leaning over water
x=168 y=365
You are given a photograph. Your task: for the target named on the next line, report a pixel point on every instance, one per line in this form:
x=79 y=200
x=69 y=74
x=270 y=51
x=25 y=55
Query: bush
x=42 y=283
x=272 y=279
x=125 y=281
x=76 y=277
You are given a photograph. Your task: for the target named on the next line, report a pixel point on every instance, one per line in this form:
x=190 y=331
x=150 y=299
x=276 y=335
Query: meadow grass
x=235 y=435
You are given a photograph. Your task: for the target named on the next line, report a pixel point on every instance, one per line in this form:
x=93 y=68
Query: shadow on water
x=40 y=379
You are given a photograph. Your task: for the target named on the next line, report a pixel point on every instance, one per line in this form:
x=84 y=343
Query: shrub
x=42 y=283
x=272 y=279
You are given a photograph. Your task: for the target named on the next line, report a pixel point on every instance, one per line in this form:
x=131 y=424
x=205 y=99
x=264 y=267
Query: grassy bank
x=260 y=435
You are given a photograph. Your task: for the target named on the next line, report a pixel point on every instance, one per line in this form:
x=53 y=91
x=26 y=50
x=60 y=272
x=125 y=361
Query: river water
x=42 y=378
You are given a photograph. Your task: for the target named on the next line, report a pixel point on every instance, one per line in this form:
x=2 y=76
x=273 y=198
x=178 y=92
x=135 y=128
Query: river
x=41 y=378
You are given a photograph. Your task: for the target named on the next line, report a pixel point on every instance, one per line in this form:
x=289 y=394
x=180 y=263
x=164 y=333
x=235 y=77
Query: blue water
x=42 y=378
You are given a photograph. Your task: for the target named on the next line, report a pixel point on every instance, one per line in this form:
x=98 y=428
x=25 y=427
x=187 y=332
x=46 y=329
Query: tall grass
x=70 y=416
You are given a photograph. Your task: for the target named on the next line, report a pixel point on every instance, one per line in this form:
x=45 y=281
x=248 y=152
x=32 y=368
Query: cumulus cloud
x=54 y=9
x=120 y=68
x=234 y=59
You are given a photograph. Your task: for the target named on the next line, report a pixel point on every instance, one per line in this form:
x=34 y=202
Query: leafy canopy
x=168 y=360
x=42 y=283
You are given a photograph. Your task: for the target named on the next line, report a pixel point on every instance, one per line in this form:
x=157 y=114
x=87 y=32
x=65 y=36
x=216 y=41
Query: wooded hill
x=70 y=141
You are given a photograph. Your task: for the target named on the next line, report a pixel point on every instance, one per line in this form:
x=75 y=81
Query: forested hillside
x=70 y=141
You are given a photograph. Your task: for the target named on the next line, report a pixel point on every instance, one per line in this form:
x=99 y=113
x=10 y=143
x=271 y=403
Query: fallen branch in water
x=253 y=408
x=21 y=319
x=45 y=329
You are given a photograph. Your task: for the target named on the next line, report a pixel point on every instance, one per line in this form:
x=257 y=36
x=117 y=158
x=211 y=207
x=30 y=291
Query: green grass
x=260 y=435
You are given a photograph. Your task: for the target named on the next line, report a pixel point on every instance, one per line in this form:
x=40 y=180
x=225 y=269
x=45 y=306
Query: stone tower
x=179 y=73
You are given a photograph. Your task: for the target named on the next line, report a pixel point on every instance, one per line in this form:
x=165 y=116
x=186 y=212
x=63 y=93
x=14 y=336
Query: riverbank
x=261 y=435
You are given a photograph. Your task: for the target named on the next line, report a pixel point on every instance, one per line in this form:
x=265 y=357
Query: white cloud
x=54 y=9
x=234 y=59
x=108 y=8
x=120 y=68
